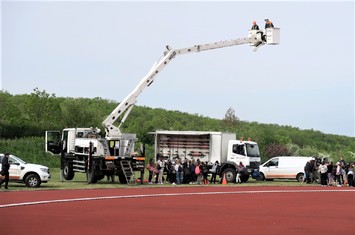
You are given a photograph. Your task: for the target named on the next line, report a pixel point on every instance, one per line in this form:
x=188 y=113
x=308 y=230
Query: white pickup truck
x=30 y=174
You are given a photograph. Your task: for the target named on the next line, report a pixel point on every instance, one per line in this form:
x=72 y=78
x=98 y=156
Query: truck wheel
x=244 y=178
x=68 y=172
x=33 y=181
x=100 y=177
x=122 y=178
x=300 y=177
x=230 y=174
x=262 y=177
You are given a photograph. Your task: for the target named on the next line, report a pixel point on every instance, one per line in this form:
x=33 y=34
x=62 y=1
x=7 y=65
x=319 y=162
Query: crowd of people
x=326 y=173
x=184 y=171
x=181 y=171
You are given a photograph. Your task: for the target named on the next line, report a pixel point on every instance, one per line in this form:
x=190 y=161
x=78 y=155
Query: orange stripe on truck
x=109 y=158
x=287 y=176
x=13 y=177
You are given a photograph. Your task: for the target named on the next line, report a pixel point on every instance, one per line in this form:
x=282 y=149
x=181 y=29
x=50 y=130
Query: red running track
x=180 y=210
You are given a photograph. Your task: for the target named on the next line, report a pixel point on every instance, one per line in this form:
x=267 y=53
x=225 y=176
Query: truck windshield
x=252 y=150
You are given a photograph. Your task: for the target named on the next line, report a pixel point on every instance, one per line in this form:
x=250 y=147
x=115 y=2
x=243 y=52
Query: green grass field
x=79 y=182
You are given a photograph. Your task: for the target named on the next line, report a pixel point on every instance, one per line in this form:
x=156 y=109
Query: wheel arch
x=226 y=165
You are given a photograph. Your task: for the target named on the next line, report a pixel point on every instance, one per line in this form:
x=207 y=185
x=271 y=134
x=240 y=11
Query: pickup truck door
x=15 y=169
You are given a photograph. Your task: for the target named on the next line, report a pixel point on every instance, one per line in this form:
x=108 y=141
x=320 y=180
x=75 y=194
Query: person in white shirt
x=323 y=169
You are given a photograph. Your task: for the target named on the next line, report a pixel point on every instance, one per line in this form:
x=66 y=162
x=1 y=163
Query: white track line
x=167 y=195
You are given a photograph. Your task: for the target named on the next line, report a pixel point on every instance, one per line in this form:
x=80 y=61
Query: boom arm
x=127 y=104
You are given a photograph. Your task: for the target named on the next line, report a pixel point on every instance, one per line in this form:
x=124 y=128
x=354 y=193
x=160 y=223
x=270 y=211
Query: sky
x=103 y=49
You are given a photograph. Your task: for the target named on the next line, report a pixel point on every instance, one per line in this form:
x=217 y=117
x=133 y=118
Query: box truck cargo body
x=210 y=147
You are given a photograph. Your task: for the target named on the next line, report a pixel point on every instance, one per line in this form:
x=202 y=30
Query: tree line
x=30 y=115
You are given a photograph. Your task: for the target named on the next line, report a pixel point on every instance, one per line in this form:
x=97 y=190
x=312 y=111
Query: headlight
x=45 y=170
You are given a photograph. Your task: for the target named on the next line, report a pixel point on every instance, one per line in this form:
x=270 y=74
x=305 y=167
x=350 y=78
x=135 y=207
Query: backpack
x=197 y=170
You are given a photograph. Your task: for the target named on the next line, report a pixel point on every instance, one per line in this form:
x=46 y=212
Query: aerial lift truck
x=86 y=150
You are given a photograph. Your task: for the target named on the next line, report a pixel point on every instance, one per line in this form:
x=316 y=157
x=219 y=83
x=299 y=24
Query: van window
x=273 y=162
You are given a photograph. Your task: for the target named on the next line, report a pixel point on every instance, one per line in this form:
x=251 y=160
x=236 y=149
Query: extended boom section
x=125 y=107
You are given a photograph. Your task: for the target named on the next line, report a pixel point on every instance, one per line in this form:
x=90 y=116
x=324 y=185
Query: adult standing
x=255 y=26
x=214 y=172
x=323 y=173
x=344 y=171
x=351 y=175
x=268 y=23
x=204 y=169
x=330 y=167
x=338 y=174
x=186 y=172
x=5 y=166
x=160 y=167
x=198 y=171
x=192 y=170
x=151 y=168
x=307 y=172
x=240 y=173
x=178 y=170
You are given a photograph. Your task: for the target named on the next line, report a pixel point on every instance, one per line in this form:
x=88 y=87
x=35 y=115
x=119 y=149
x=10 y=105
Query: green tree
x=275 y=150
x=230 y=120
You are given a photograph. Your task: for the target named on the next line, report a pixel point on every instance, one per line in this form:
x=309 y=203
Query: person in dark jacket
x=255 y=26
x=214 y=172
x=5 y=166
x=307 y=172
x=186 y=172
x=204 y=169
x=268 y=23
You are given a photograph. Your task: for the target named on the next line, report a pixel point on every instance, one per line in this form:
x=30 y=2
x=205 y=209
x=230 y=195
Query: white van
x=284 y=167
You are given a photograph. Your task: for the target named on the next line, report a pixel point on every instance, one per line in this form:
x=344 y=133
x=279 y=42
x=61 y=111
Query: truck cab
x=246 y=152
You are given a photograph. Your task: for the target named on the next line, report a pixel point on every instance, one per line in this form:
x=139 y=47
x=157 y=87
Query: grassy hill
x=24 y=119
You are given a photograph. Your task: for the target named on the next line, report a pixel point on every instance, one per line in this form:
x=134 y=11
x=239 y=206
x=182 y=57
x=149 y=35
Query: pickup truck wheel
x=230 y=175
x=68 y=172
x=33 y=181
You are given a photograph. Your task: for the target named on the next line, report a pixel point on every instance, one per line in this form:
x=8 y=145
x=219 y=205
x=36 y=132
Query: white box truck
x=284 y=167
x=211 y=147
